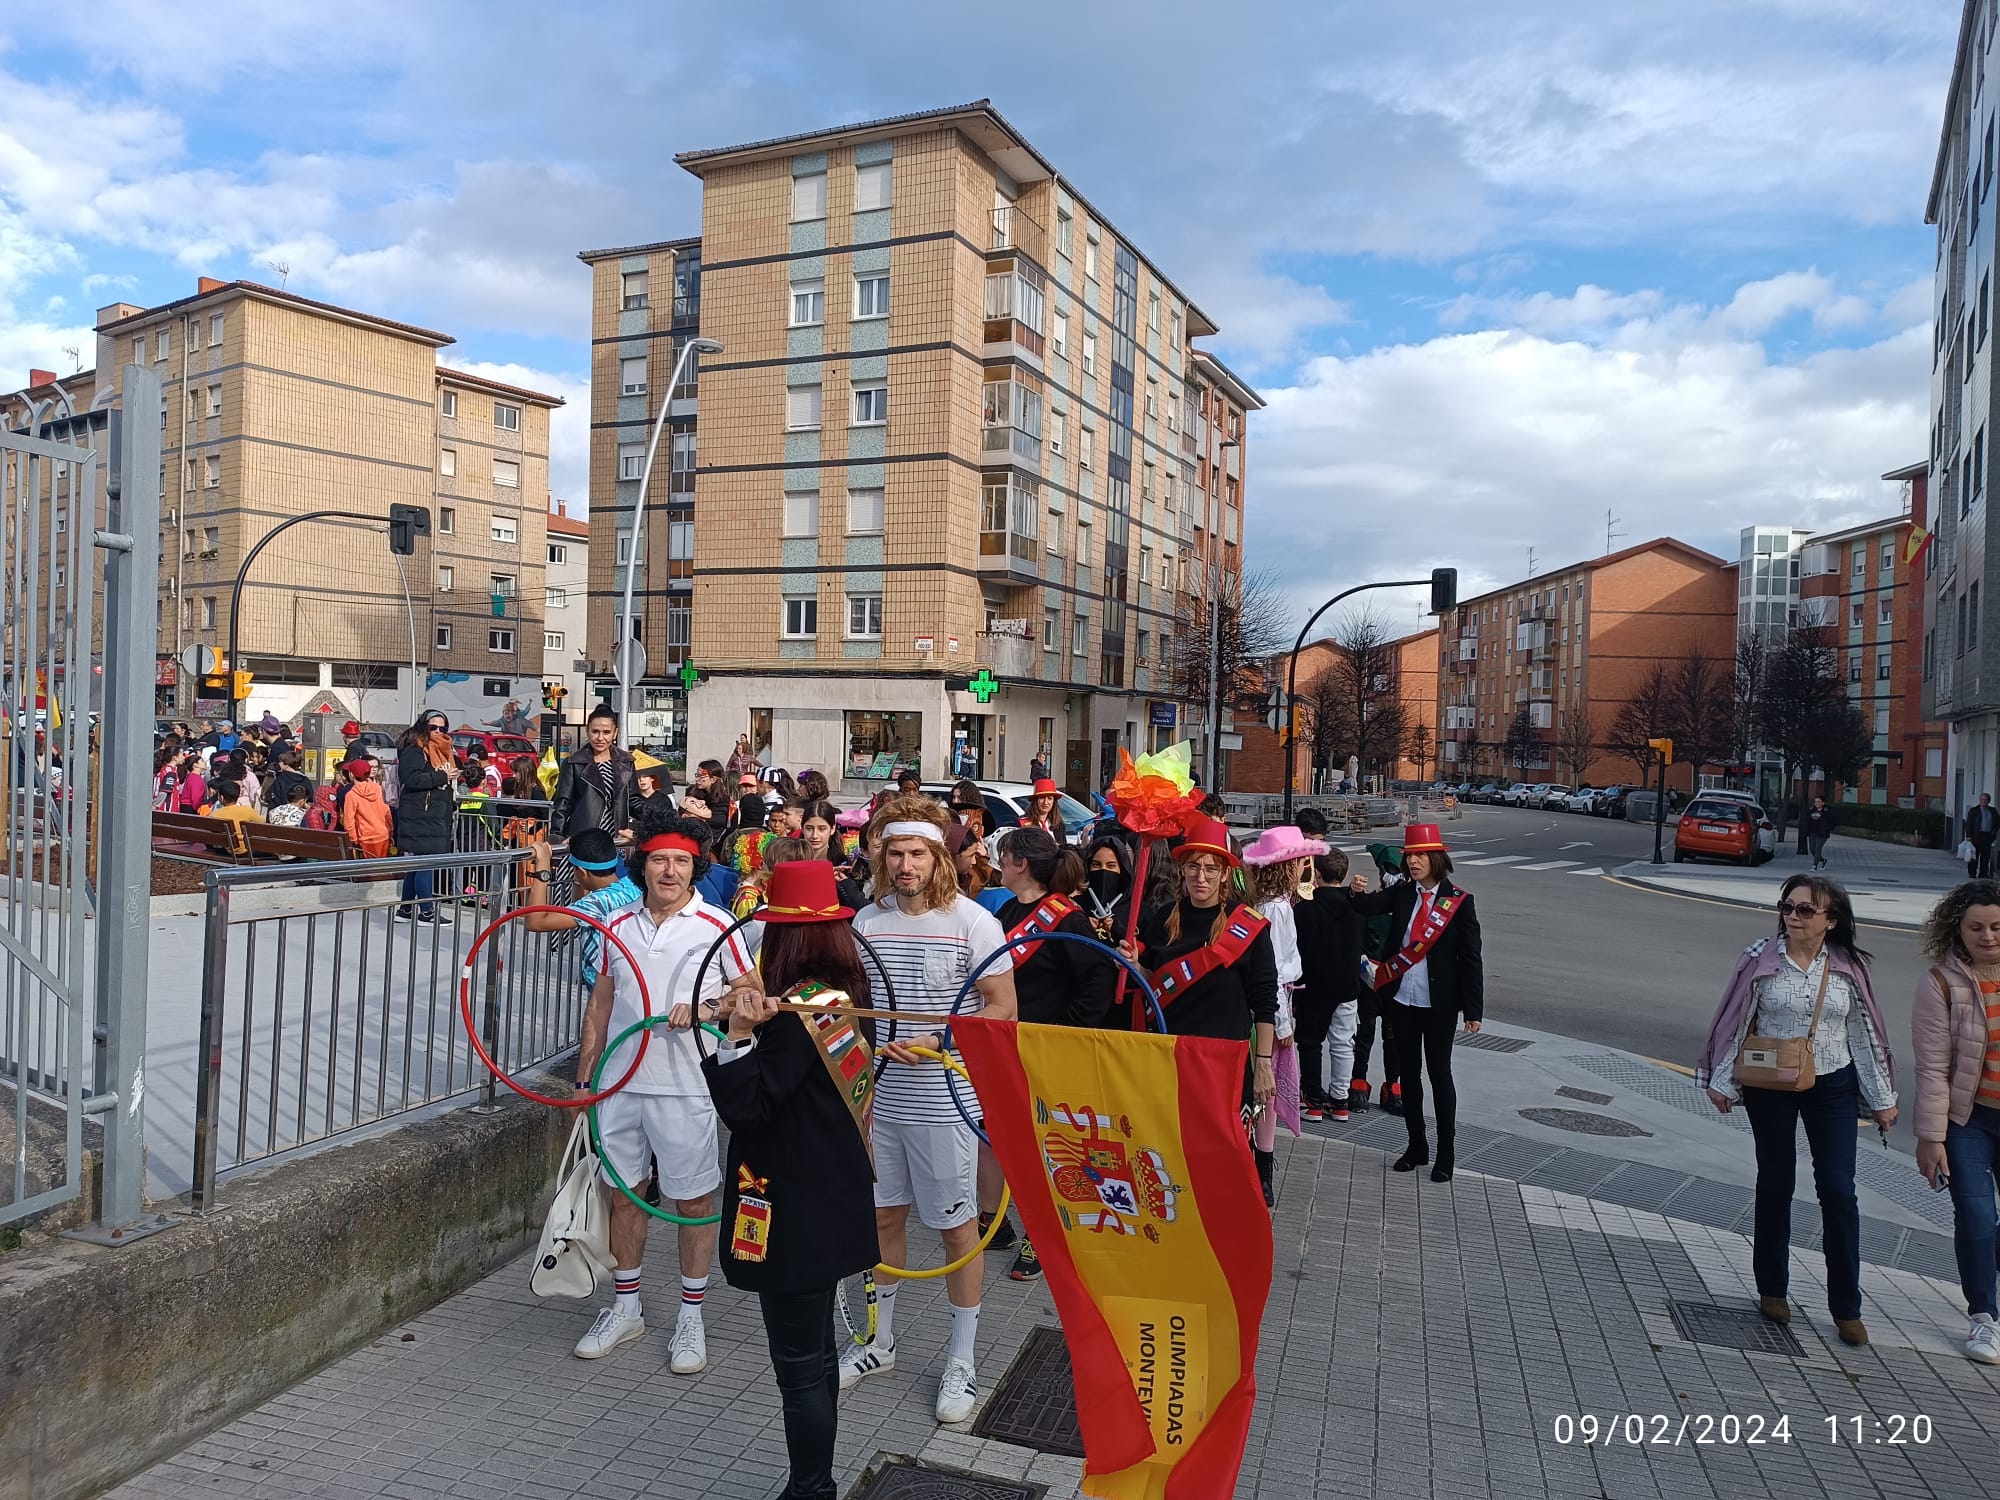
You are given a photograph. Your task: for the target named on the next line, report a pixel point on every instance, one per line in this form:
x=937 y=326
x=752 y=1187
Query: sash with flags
x=1183 y=973
x=1128 y=1162
x=1044 y=918
x=842 y=1047
x=1436 y=919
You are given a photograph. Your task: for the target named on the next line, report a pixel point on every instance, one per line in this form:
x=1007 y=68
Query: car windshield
x=1719 y=812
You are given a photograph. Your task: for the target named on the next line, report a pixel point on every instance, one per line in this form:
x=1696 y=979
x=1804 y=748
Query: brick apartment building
x=1260 y=765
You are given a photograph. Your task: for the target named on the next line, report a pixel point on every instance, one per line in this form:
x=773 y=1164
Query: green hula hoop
x=603 y=1161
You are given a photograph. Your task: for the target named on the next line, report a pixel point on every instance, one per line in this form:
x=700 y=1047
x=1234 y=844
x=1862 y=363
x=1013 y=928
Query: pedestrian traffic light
x=214 y=685
x=1444 y=590
x=1665 y=748
x=406 y=524
x=553 y=694
x=240 y=685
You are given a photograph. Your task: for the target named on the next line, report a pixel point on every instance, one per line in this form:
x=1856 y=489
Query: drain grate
x=1734 y=1328
x=1582 y=1121
x=1566 y=1092
x=901 y=1479
x=1035 y=1403
x=1486 y=1041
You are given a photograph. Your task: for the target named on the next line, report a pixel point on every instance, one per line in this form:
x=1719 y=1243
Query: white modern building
x=566 y=616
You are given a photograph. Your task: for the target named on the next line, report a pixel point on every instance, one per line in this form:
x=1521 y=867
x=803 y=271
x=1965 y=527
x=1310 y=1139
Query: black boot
x=1418 y=1155
x=1266 y=1162
x=1442 y=1171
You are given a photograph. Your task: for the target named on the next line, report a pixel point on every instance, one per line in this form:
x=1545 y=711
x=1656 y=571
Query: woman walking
x=425 y=771
x=1808 y=984
x=1955 y=1024
x=594 y=788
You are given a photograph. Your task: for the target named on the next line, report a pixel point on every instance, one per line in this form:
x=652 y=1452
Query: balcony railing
x=1015 y=229
x=1007 y=655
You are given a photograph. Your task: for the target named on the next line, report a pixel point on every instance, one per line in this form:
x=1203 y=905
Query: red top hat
x=802 y=890
x=1044 y=787
x=1207 y=837
x=1423 y=838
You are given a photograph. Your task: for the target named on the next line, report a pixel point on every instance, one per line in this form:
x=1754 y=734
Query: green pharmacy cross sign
x=689 y=676
x=984 y=686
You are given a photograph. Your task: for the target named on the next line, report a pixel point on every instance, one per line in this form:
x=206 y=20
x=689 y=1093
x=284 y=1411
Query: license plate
x=1716 y=828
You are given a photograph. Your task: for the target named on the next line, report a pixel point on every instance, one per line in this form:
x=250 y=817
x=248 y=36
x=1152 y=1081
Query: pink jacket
x=1948 y=1030
x=1732 y=1016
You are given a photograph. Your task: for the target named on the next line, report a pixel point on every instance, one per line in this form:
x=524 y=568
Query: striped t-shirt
x=1989 y=1077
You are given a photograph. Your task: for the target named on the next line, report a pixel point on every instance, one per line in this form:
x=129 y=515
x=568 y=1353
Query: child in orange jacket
x=363 y=814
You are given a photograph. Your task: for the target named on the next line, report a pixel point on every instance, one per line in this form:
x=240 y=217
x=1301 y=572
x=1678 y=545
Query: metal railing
x=323 y=1011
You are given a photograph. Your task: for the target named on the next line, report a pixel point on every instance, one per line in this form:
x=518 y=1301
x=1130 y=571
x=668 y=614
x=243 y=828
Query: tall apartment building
x=277 y=405
x=1964 y=686
x=960 y=467
x=566 y=616
x=1575 y=642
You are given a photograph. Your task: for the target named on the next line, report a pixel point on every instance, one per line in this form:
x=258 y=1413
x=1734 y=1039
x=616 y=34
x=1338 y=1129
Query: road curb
x=1622 y=876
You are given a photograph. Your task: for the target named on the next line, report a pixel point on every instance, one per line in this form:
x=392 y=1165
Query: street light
x=1212 y=572
x=621 y=651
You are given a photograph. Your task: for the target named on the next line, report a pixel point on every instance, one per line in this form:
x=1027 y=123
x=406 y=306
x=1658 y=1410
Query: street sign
x=628 y=662
x=199 y=660
x=1228 y=741
x=1163 y=715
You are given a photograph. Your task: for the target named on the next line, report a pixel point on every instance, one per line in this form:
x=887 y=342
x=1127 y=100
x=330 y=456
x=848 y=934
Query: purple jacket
x=1760 y=960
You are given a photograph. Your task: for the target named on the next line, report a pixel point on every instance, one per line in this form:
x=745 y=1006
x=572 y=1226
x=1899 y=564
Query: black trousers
x=1314 y=1013
x=1371 y=1009
x=1423 y=1044
x=1982 y=856
x=799 y=1329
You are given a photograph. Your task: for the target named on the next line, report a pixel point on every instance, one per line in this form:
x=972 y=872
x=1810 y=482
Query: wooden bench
x=269 y=841
x=214 y=839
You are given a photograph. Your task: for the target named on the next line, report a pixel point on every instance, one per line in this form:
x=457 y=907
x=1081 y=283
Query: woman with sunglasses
x=1811 y=981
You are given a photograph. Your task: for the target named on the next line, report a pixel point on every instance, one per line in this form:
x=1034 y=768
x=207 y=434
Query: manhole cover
x=1035 y=1403
x=1734 y=1328
x=1485 y=1041
x=1585 y=1095
x=900 y=1479
x=1582 y=1121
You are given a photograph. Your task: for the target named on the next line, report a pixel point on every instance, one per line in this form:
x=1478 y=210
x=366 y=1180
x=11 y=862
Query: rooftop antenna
x=282 y=269
x=1611 y=531
x=1531 y=562
x=75 y=357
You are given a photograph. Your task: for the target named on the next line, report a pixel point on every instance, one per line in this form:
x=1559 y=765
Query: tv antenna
x=1531 y=562
x=1611 y=532
x=283 y=270
x=75 y=357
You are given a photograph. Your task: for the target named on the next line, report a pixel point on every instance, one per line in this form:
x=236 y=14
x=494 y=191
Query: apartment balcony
x=1464 y=666
x=1007 y=653
x=1468 y=647
x=1015 y=229
x=1536 y=611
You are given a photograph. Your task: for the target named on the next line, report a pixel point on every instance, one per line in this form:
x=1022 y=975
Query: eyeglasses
x=1797 y=909
x=1199 y=867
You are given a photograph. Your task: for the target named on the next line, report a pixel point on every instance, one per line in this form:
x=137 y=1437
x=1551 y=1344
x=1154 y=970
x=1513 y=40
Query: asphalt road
x=1589 y=957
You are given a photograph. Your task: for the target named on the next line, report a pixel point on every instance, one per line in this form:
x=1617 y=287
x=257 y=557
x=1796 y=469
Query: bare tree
x=1746 y=693
x=1520 y=744
x=1697 y=709
x=1576 y=739
x=1252 y=628
x=1357 y=700
x=1805 y=716
x=1643 y=716
x=1417 y=748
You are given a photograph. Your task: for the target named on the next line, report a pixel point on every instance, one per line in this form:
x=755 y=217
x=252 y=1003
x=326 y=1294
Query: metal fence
x=324 y=1011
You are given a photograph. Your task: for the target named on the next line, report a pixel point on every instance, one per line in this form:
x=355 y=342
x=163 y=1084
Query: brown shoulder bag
x=1782 y=1063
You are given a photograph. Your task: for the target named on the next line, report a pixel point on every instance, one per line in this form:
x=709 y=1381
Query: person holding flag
x=929 y=938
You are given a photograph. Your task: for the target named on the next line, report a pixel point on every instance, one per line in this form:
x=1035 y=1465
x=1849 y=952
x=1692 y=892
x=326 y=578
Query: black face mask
x=1108 y=885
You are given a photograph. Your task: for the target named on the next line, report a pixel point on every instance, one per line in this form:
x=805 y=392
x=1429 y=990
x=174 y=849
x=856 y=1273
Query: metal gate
x=79 y=502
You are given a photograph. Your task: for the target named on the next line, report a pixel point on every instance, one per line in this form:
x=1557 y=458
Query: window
x=871 y=296
x=211 y=538
x=187 y=474
x=552 y=640
x=555 y=598
x=506 y=473
x=1090 y=354
x=633 y=286
x=1059 y=336
x=208 y=613
x=139 y=350
x=801 y=619
x=444 y=579
x=502 y=529
x=558 y=554
x=448 y=462
x=215 y=326
x=680 y=624
x=1972 y=614
x=1173 y=414
x=1886 y=610
x=443 y=637
x=1854 y=613
x=1153 y=311
x=1888 y=564
x=871 y=187
x=680 y=541
x=501 y=585
x=448 y=404
x=1086 y=447
x=1065 y=231
x=801 y=513
x=1860 y=559
x=507 y=418
x=163 y=343
x=447 y=520
x=1882 y=721
x=802 y=407
x=865 y=510
x=1079 y=633
x=681 y=459
x=631 y=460
x=1055 y=430
x=809 y=197
x=625 y=549
x=193 y=406
x=1152 y=398
x=215 y=401
x=1051 y=628
x=871 y=405
x=808 y=304
x=632 y=376
x=1082 y=543
x=1884 y=666
x=864 y=617
x=1090 y=252
x=499 y=640
x=211 y=471
x=1174 y=330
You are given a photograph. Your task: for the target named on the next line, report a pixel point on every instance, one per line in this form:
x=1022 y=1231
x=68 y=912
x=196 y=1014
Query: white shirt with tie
x=1416 y=987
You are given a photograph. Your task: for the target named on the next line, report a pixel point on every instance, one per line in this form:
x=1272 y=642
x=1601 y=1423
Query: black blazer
x=788 y=1123
x=1331 y=934
x=1457 y=972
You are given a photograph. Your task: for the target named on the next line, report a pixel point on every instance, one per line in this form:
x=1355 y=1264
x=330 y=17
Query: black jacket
x=1330 y=947
x=1222 y=1004
x=1457 y=971
x=579 y=804
x=1061 y=984
x=423 y=803
x=1818 y=821
x=788 y=1123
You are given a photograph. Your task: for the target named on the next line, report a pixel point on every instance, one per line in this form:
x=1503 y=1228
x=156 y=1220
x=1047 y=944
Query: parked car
x=1581 y=800
x=1610 y=801
x=1524 y=793
x=380 y=746
x=1724 y=828
x=505 y=748
x=1553 y=797
x=1006 y=801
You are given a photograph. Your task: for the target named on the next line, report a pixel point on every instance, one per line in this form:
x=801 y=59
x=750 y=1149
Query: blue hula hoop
x=868 y=948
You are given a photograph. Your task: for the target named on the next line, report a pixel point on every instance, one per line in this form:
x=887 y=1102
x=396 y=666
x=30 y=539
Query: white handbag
x=575 y=1251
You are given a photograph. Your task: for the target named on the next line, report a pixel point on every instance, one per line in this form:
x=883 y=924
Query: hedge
x=1878 y=820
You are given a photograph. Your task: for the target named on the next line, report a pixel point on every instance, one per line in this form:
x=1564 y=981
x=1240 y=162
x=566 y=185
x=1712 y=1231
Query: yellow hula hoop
x=999 y=1215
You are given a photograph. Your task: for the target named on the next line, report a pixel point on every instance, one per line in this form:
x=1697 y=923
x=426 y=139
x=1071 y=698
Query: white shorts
x=933 y=1167
x=677 y=1129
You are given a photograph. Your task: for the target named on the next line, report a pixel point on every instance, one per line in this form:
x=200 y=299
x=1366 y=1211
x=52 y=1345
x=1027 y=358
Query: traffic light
x=1444 y=590
x=240 y=685
x=213 y=685
x=406 y=524
x=553 y=694
x=1665 y=748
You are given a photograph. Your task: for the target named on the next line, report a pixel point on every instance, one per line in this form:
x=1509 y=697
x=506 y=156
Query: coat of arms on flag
x=1102 y=1182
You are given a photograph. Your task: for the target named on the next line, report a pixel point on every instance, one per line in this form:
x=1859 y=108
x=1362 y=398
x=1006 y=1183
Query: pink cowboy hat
x=1280 y=845
x=854 y=817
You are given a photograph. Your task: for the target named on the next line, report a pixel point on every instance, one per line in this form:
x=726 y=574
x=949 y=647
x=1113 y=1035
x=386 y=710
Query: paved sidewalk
x=1891 y=884
x=1420 y=1339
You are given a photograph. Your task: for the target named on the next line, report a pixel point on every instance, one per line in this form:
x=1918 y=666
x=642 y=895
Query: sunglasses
x=1797 y=909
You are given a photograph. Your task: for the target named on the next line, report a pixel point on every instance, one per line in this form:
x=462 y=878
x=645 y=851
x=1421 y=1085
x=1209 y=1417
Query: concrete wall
x=113 y=1359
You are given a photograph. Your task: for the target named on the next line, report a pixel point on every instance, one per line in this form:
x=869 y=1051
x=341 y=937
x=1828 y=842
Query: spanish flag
x=1913 y=547
x=1127 y=1158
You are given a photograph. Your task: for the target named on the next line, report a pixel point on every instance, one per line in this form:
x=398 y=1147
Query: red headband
x=678 y=841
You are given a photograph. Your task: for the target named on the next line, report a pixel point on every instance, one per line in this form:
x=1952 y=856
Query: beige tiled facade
x=998 y=505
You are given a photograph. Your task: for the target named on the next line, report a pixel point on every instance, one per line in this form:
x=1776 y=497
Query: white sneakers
x=859 y=1361
x=687 y=1354
x=1982 y=1341
x=958 y=1392
x=613 y=1327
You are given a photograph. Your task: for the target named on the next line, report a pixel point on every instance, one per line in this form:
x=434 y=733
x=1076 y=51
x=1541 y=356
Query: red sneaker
x=1337 y=1112
x=1357 y=1094
x=1313 y=1114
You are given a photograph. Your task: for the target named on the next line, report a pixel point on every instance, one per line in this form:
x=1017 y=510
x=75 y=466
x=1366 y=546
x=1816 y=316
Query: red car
x=1724 y=828
x=505 y=748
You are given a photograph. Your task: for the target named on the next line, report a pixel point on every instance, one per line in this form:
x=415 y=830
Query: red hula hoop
x=575 y=1101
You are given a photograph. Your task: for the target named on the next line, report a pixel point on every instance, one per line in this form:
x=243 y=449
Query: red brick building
x=1260 y=765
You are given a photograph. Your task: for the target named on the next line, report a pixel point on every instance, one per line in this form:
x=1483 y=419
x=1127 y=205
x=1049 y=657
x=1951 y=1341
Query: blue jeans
x=1973 y=1149
x=1829 y=1108
x=417 y=888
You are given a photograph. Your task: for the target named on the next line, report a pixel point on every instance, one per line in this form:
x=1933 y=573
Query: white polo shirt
x=668 y=953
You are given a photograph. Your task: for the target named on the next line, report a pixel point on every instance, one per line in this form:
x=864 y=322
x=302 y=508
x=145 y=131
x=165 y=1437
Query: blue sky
x=1497 y=268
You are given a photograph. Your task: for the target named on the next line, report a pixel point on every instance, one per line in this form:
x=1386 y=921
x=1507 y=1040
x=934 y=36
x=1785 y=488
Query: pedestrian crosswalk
x=1554 y=866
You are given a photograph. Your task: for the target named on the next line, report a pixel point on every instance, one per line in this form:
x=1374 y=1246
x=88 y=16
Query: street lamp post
x=621 y=648
x=1212 y=571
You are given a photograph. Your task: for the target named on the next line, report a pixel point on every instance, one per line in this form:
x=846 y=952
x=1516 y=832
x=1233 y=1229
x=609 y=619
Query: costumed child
x=364 y=816
x=1276 y=860
x=798 y=1200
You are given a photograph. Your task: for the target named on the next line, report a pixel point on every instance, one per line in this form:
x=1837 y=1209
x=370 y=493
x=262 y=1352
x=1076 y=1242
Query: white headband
x=912 y=828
